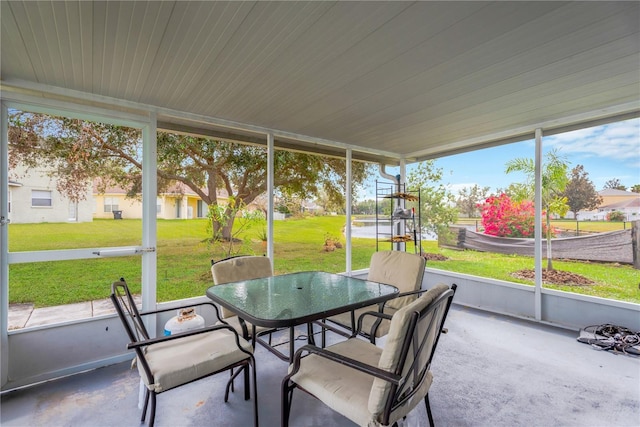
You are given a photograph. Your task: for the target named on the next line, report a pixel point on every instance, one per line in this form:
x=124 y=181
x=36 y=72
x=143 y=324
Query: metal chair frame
x=247 y=332
x=139 y=338
x=400 y=391
x=357 y=324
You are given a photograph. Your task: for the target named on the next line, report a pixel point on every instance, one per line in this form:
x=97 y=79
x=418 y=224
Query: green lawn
x=184 y=259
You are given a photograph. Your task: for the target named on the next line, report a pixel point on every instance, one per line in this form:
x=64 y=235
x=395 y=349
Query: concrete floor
x=26 y=316
x=489 y=370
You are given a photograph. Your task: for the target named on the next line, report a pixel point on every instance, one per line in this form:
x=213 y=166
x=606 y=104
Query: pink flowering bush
x=504 y=217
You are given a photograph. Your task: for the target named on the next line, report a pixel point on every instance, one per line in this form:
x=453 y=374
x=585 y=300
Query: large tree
x=365 y=207
x=580 y=191
x=469 y=198
x=554 y=181
x=615 y=184
x=78 y=152
x=437 y=211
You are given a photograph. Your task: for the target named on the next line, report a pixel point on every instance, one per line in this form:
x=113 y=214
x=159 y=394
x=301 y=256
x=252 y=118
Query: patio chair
x=369 y=385
x=168 y=362
x=234 y=269
x=401 y=269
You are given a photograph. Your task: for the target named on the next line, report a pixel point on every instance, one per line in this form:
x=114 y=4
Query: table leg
x=310 y=338
x=292 y=344
x=253 y=336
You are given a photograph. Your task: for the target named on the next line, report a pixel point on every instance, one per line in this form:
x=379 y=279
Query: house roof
x=177 y=188
x=629 y=203
x=388 y=79
x=616 y=192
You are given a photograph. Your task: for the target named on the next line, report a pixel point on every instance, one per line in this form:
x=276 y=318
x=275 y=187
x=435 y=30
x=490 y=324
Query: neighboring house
x=614 y=200
x=33 y=197
x=311 y=207
x=178 y=202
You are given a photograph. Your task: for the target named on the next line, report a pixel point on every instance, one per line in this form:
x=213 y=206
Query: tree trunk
x=635 y=244
x=549 y=256
x=227 y=228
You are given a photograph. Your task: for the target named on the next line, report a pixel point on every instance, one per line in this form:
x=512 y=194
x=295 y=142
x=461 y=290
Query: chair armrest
x=408 y=293
x=377 y=314
x=400 y=295
x=386 y=316
x=145 y=343
x=163 y=310
x=343 y=360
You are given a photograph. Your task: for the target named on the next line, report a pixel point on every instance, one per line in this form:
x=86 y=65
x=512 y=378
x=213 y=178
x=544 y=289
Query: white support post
x=403 y=170
x=538 y=227
x=149 y=198
x=4 y=242
x=348 y=209
x=270 y=191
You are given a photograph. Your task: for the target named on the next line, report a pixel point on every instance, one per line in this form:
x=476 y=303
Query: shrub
x=616 y=216
x=504 y=217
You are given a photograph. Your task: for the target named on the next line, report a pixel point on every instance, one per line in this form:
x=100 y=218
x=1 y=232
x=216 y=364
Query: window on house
x=110 y=204
x=158 y=205
x=201 y=209
x=41 y=198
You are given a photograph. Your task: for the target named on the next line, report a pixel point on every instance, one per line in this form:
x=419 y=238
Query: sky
x=606 y=152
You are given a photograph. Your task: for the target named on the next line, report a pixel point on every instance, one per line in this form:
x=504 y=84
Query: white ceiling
x=395 y=79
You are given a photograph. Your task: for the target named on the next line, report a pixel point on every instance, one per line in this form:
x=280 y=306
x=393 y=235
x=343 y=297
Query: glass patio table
x=288 y=300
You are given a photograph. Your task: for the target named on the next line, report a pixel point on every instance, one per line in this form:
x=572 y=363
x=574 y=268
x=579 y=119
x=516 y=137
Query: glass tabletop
x=296 y=298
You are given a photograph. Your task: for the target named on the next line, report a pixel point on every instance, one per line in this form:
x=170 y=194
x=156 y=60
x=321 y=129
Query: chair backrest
x=128 y=311
x=240 y=268
x=411 y=343
x=403 y=270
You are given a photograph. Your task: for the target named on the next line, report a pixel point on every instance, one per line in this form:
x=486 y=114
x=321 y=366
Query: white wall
x=22 y=210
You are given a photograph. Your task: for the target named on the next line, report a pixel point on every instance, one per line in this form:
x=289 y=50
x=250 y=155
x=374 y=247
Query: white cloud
x=618 y=141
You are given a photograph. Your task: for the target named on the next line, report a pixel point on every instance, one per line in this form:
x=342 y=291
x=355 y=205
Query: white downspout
x=398 y=203
x=402 y=203
x=384 y=174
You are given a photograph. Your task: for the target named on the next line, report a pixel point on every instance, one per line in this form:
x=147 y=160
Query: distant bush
x=504 y=217
x=616 y=216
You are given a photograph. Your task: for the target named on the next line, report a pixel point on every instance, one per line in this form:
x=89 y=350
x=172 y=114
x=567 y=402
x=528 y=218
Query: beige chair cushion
x=238 y=269
x=180 y=361
x=400 y=269
x=359 y=396
x=389 y=358
x=343 y=389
